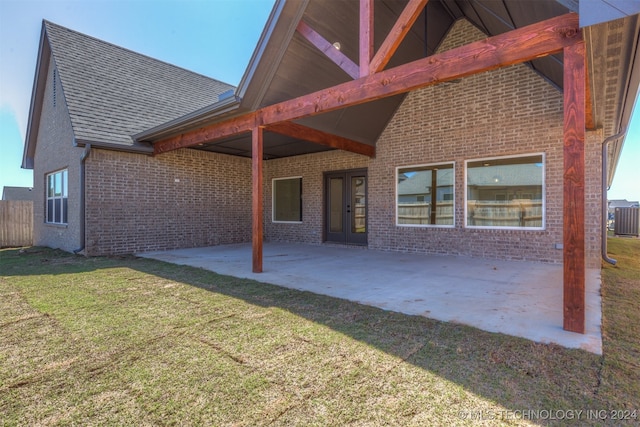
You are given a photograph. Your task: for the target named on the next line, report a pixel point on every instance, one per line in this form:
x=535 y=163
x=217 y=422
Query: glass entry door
x=346 y=207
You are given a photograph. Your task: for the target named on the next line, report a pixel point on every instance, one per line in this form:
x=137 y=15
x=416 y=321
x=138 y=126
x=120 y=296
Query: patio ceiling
x=296 y=67
x=285 y=65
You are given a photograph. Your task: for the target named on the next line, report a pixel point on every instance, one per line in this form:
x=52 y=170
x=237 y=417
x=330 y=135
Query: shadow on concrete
x=517 y=298
x=517 y=373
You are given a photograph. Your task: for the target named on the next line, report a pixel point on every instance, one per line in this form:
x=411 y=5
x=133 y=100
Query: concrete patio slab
x=516 y=298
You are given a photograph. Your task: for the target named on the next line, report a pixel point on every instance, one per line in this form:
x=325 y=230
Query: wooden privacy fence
x=16 y=223
x=514 y=213
x=420 y=213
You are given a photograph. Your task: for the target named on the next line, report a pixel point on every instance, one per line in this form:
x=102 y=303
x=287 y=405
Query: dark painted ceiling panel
x=498 y=8
x=304 y=69
x=439 y=21
x=491 y=20
x=529 y=12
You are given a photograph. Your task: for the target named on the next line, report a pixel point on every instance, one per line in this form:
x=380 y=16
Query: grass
x=129 y=341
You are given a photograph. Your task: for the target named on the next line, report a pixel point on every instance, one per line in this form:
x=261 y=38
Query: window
x=287 y=199
x=506 y=192
x=57 y=197
x=425 y=195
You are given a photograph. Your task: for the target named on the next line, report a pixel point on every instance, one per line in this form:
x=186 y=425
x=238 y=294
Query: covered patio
x=512 y=297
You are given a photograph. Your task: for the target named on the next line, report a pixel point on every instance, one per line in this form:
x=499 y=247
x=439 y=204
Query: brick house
x=432 y=144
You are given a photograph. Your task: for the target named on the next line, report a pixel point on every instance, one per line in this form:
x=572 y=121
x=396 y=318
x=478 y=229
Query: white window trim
x=422 y=165
x=273 y=199
x=544 y=193
x=47 y=198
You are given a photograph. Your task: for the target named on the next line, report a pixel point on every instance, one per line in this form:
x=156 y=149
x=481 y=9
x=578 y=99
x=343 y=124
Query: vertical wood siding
x=16 y=223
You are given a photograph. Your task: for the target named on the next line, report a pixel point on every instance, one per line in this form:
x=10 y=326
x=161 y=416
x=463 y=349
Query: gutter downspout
x=83 y=158
x=605 y=176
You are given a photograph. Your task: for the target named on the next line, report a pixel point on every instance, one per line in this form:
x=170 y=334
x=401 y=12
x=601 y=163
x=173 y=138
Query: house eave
x=140 y=148
x=37 y=95
x=614 y=80
x=222 y=108
x=270 y=49
x=271 y=46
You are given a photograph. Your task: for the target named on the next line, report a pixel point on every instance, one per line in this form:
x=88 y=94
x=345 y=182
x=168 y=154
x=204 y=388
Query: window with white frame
x=506 y=192
x=287 y=199
x=425 y=195
x=57 y=197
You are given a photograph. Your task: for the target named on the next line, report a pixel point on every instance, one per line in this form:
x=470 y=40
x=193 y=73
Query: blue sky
x=212 y=37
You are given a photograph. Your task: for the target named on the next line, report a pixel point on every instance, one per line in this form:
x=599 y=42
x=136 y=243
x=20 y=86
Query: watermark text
x=550 y=414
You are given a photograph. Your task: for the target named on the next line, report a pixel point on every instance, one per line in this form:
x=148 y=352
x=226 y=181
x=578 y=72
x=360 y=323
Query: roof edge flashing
x=37 y=93
x=270 y=49
x=142 y=148
x=225 y=105
x=260 y=46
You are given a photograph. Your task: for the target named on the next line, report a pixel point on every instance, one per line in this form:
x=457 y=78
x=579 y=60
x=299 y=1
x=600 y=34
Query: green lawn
x=128 y=341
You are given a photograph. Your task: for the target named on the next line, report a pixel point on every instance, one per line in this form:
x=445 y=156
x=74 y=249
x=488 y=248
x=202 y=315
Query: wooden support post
x=574 y=181
x=366 y=36
x=400 y=29
x=257 y=206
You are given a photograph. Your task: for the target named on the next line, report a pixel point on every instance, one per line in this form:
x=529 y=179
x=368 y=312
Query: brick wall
x=593 y=221
x=310 y=167
x=510 y=111
x=55 y=151
x=186 y=198
x=190 y=198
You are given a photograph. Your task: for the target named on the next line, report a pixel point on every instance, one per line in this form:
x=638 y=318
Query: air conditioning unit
x=627 y=221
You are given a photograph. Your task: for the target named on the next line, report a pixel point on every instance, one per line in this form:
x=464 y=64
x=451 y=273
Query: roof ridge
x=48 y=23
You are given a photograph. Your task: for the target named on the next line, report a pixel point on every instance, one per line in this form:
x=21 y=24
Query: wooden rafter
x=400 y=29
x=574 y=192
x=516 y=46
x=366 y=36
x=319 y=137
x=322 y=44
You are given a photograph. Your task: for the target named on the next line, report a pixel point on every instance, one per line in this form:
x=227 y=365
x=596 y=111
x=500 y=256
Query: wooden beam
x=326 y=47
x=256 y=197
x=400 y=29
x=574 y=182
x=366 y=36
x=319 y=137
x=209 y=133
x=517 y=46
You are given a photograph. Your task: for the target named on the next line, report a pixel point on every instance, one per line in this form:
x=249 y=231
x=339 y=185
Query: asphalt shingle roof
x=113 y=93
x=17 y=193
